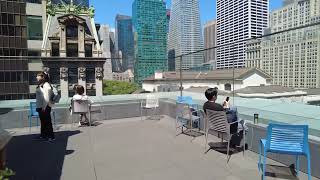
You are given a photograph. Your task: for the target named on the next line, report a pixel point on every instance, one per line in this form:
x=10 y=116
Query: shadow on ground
x=38 y=160
x=281 y=172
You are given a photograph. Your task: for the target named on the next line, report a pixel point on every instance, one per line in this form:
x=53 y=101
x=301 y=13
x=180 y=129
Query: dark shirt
x=212 y=106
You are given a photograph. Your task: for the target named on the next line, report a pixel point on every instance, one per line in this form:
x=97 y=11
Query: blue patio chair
x=33 y=114
x=285 y=139
x=185 y=117
x=187 y=100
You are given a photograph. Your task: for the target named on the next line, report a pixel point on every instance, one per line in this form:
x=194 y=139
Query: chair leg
x=259 y=163
x=141 y=110
x=205 y=145
x=297 y=165
x=264 y=164
x=228 y=148
x=244 y=141
x=309 y=166
x=29 y=124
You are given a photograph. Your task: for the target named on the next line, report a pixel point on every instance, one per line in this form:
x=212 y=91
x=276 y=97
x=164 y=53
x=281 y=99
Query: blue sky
x=106 y=10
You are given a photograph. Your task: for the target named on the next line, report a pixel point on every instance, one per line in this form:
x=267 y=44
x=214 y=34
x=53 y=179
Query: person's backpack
x=56 y=96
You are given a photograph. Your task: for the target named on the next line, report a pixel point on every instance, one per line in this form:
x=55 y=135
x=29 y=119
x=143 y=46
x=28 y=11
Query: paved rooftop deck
x=129 y=149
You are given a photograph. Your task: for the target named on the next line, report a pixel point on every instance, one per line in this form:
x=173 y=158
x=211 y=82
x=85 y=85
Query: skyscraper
x=185 y=33
x=104 y=34
x=236 y=22
x=125 y=40
x=292 y=57
x=150 y=32
x=210 y=40
x=13 y=51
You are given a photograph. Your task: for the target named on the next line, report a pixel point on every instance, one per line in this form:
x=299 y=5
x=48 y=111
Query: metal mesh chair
x=185 y=117
x=150 y=103
x=217 y=121
x=81 y=107
x=33 y=114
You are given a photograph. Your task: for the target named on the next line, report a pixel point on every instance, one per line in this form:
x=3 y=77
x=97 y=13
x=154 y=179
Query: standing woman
x=43 y=98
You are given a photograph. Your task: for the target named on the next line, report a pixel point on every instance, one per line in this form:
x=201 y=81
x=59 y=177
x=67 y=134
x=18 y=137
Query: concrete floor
x=130 y=149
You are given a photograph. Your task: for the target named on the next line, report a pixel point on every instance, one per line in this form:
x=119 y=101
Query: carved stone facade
x=71 y=45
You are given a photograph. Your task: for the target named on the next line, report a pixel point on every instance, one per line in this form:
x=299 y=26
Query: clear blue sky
x=106 y=10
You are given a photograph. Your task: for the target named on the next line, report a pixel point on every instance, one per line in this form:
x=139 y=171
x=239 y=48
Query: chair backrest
x=287 y=138
x=183 y=111
x=217 y=121
x=80 y=106
x=152 y=101
x=33 y=109
x=184 y=99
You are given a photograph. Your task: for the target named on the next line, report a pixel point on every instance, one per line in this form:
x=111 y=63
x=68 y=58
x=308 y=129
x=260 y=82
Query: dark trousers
x=46 y=123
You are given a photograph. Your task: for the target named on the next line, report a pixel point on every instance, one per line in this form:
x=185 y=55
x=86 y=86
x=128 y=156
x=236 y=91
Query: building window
x=34 y=1
x=227 y=87
x=88 y=50
x=55 y=50
x=34 y=24
x=90 y=75
x=73 y=75
x=72 y=50
x=55 y=75
x=72 y=31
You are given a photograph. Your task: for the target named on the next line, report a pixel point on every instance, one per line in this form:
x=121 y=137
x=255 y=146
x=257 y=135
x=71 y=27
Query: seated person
x=212 y=94
x=81 y=96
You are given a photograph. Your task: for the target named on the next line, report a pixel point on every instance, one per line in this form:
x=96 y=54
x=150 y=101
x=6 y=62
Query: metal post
x=233 y=74
x=233 y=83
x=181 y=76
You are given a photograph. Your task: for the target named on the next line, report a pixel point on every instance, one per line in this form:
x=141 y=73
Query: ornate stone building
x=71 y=50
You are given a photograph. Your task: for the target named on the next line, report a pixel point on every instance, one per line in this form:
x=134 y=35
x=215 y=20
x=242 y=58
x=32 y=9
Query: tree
x=118 y=87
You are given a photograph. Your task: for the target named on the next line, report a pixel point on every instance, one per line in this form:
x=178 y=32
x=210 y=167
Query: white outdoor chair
x=185 y=117
x=217 y=121
x=81 y=107
x=150 y=103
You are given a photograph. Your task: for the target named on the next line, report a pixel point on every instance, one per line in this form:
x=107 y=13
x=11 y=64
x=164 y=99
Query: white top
x=82 y=97
x=43 y=96
x=226 y=105
x=80 y=108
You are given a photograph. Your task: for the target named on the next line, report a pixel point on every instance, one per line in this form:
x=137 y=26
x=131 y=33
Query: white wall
x=34 y=9
x=254 y=80
x=149 y=86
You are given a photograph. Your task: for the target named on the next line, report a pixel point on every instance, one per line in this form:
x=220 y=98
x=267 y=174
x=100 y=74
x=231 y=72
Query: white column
x=64 y=82
x=99 y=81
x=82 y=77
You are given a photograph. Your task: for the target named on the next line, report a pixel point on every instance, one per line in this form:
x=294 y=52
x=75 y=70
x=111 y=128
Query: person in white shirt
x=81 y=96
x=43 y=100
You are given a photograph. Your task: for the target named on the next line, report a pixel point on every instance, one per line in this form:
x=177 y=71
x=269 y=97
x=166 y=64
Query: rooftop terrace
x=132 y=149
x=122 y=146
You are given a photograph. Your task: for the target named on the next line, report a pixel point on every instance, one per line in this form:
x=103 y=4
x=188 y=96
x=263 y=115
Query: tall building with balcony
x=292 y=57
x=185 y=33
x=210 y=40
x=13 y=51
x=124 y=40
x=150 y=32
x=236 y=22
